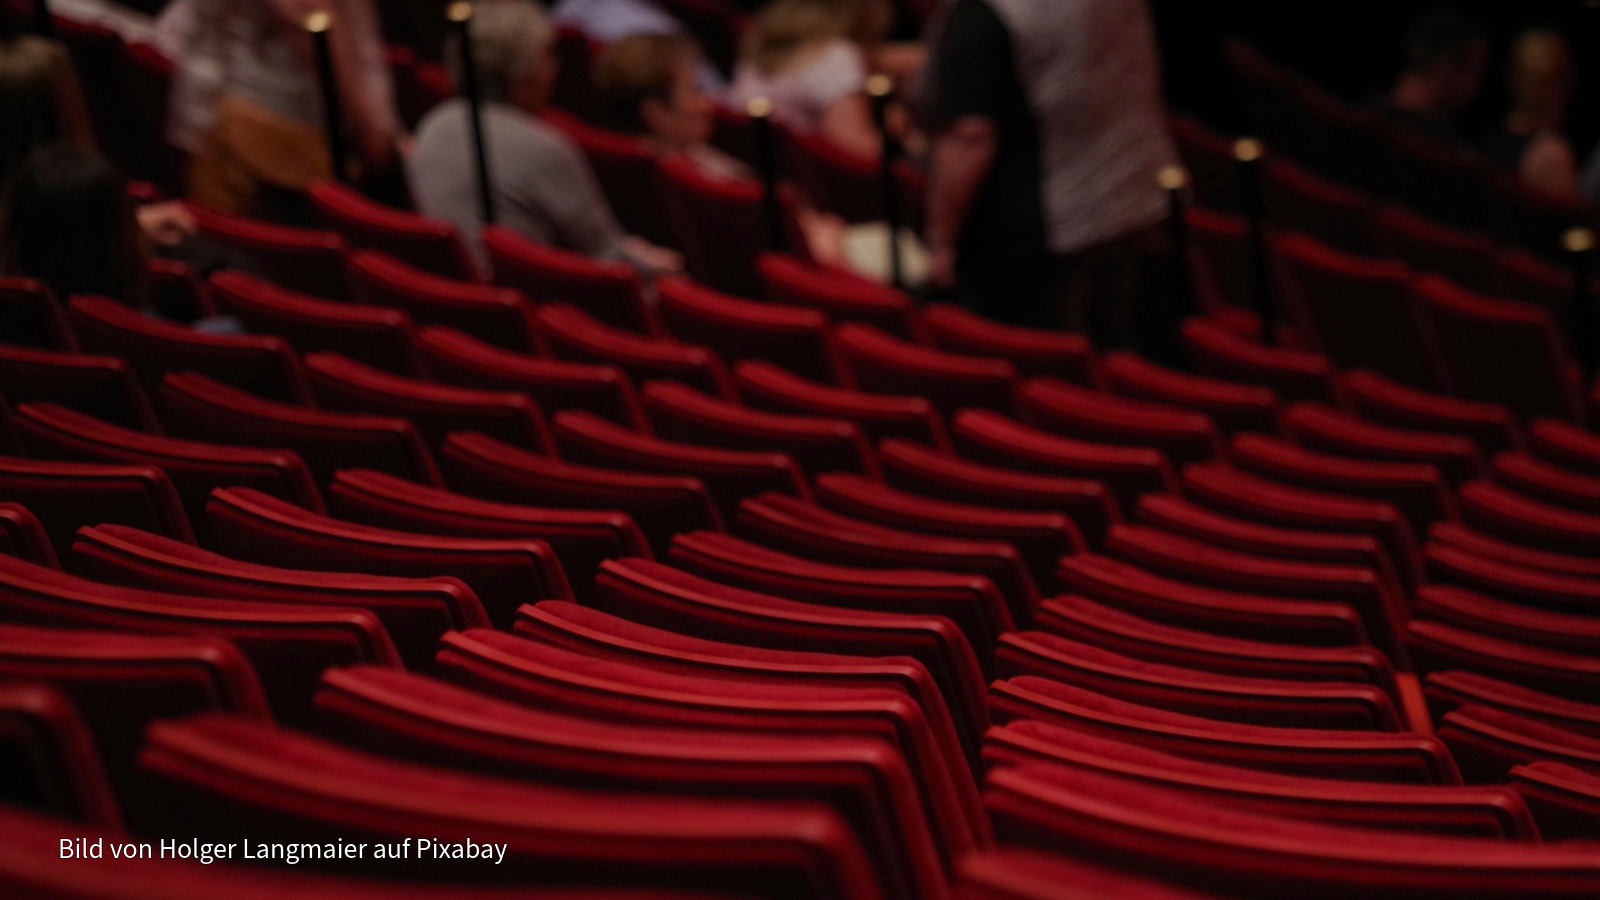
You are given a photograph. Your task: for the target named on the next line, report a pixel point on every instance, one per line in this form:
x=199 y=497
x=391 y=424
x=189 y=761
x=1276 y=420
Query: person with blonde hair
x=648 y=86
x=1541 y=78
x=811 y=60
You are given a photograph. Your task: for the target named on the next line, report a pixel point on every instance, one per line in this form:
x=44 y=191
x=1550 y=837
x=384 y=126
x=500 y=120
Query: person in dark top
x=1048 y=132
x=1447 y=57
x=1541 y=78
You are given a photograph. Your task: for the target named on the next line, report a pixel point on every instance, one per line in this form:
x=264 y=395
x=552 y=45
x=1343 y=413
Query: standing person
x=542 y=184
x=1048 y=132
x=1531 y=141
x=1447 y=57
x=247 y=104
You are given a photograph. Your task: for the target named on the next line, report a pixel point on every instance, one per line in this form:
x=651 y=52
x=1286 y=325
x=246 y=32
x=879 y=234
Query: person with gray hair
x=542 y=185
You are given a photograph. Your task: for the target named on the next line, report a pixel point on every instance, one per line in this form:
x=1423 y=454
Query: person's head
x=1541 y=77
x=1449 y=49
x=66 y=219
x=39 y=103
x=650 y=86
x=512 y=45
x=785 y=28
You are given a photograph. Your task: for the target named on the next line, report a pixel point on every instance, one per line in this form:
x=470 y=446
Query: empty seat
x=436 y=410
x=310 y=262
x=1487 y=743
x=661 y=505
x=721 y=226
x=1209 y=845
x=1548 y=482
x=970 y=601
x=730 y=475
x=1512 y=581
x=294 y=785
x=1231 y=405
x=1450 y=690
x=1381 y=605
x=101 y=386
x=1500 y=351
x=1104 y=626
x=460 y=359
x=405 y=715
x=120 y=683
x=1247 y=496
x=1500 y=614
x=289 y=645
x=1406 y=758
x=1252 y=700
x=1332 y=430
x=414 y=611
x=429 y=244
x=1507 y=514
x=769 y=387
x=1034 y=351
x=1464 y=257
x=1382 y=400
x=383 y=338
x=1236 y=614
x=1184 y=436
x=22 y=535
x=31 y=317
x=1041 y=538
x=198 y=408
x=68 y=496
x=679 y=412
x=1221 y=268
x=793 y=337
x=842 y=295
x=987 y=437
x=1564 y=800
x=504 y=574
x=794 y=526
x=1220 y=353
x=265 y=366
x=1179 y=516
x=914 y=467
x=195 y=468
x=1566 y=444
x=605 y=289
x=581 y=539
x=496 y=315
x=1358 y=311
x=1429 y=809
x=1437 y=647
x=53 y=766
x=566 y=332
x=1418 y=489
x=1491 y=547
x=1299 y=200
x=882 y=363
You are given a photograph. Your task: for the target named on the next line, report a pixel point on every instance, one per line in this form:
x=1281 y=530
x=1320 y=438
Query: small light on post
x=1175 y=181
x=1579 y=243
x=318 y=24
x=880 y=88
x=1249 y=151
x=760 y=111
x=460 y=16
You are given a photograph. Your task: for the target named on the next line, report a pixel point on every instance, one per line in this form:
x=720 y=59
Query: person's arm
x=959 y=163
x=847 y=123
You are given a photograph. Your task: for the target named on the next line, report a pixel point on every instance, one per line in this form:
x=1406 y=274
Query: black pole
x=1579 y=244
x=1248 y=152
x=880 y=88
x=760 y=110
x=43 y=24
x=1175 y=180
x=461 y=17
x=318 y=24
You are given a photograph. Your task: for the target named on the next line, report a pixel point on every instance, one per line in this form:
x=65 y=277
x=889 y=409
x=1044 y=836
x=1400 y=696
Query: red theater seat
x=1231 y=405
x=722 y=227
x=1490 y=547
x=1034 y=351
x=1218 y=352
x=1548 y=482
x=382 y=338
x=31 y=316
x=1418 y=489
x=1488 y=743
x=1380 y=399
x=495 y=315
x=679 y=412
x=68 y=496
x=843 y=296
x=988 y=437
x=429 y=244
x=882 y=363
x=1564 y=800
x=53 y=766
x=22 y=535
x=1184 y=436
x=100 y=386
x=1507 y=514
x=605 y=289
x=567 y=332
x=1447 y=691
x=1330 y=430
x=1511 y=581
x=1464 y=257
x=1566 y=444
x=766 y=386
x=793 y=337
x=297 y=259
x=1438 y=647
x=1299 y=200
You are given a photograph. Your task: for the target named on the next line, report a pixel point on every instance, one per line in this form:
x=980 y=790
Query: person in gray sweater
x=542 y=185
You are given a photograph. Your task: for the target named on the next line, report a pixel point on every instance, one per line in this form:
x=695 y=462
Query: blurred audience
x=248 y=107
x=609 y=21
x=647 y=86
x=1532 y=142
x=811 y=59
x=1446 y=60
x=1048 y=130
x=39 y=100
x=542 y=184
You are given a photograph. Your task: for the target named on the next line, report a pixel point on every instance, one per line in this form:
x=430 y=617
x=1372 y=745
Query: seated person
x=1447 y=56
x=1531 y=142
x=542 y=184
x=647 y=87
x=609 y=21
